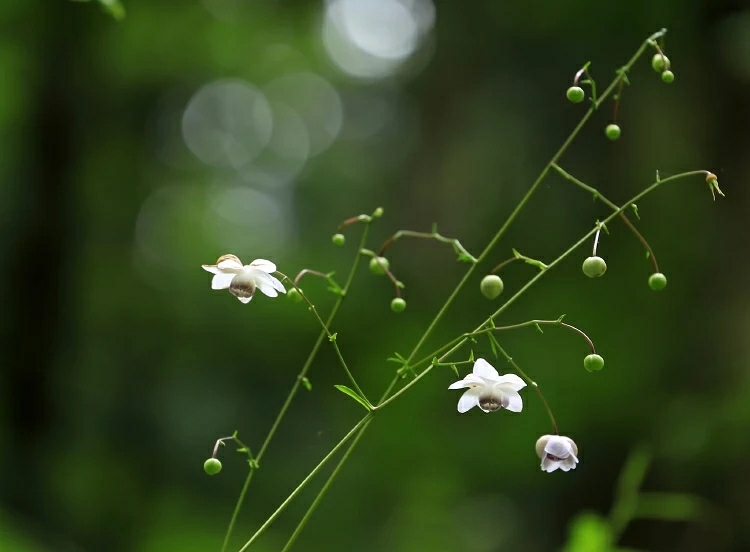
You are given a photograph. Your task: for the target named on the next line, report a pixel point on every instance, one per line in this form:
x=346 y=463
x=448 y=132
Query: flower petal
x=468 y=400
x=558 y=446
x=213 y=269
x=484 y=369
x=515 y=402
x=229 y=262
x=222 y=280
x=244 y=299
x=265 y=282
x=549 y=465
x=264 y=265
x=277 y=284
x=469 y=381
x=512 y=381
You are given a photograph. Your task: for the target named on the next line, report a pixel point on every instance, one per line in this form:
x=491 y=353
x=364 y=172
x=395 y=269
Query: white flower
x=488 y=390
x=243 y=280
x=557 y=451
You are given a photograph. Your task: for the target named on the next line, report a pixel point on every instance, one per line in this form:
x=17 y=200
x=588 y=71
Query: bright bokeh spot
x=227 y=123
x=369 y=39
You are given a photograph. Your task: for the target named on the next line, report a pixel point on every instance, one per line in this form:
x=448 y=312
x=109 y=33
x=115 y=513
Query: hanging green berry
x=294 y=295
x=212 y=466
x=378 y=265
x=593 y=363
x=667 y=76
x=657 y=281
x=491 y=286
x=398 y=304
x=593 y=267
x=612 y=131
x=660 y=62
x=575 y=94
x=338 y=239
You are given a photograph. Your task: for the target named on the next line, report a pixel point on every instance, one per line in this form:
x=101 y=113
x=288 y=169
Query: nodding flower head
x=556 y=452
x=242 y=281
x=488 y=390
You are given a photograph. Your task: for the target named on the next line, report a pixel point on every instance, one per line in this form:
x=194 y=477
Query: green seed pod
x=593 y=363
x=294 y=295
x=491 y=286
x=338 y=239
x=612 y=131
x=378 y=265
x=593 y=267
x=398 y=304
x=575 y=94
x=212 y=466
x=657 y=281
x=660 y=62
x=377 y=213
x=667 y=76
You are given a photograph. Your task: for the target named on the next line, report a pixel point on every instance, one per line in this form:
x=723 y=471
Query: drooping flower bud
x=593 y=267
x=378 y=265
x=491 y=286
x=212 y=466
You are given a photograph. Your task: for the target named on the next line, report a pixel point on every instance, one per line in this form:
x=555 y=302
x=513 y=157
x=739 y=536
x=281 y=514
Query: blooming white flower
x=557 y=451
x=488 y=390
x=243 y=280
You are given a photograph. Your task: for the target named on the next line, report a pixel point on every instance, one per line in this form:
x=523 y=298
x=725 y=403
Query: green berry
x=612 y=131
x=491 y=286
x=657 y=281
x=294 y=295
x=667 y=76
x=660 y=63
x=377 y=213
x=378 y=265
x=575 y=94
x=338 y=239
x=593 y=267
x=212 y=466
x=593 y=363
x=398 y=304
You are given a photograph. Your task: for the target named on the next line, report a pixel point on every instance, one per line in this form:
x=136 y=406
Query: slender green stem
x=324 y=489
x=533 y=384
x=306 y=480
x=457 y=247
x=333 y=338
x=460 y=342
x=537 y=323
x=612 y=206
x=522 y=204
x=295 y=388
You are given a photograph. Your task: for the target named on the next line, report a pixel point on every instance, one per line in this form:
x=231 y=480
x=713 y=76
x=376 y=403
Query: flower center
x=554 y=458
x=490 y=403
x=242 y=287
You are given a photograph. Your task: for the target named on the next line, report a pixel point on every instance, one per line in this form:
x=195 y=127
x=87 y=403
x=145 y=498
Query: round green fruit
x=398 y=305
x=491 y=286
x=378 y=265
x=338 y=239
x=593 y=363
x=212 y=466
x=657 y=281
x=667 y=76
x=593 y=267
x=575 y=94
x=612 y=131
x=660 y=63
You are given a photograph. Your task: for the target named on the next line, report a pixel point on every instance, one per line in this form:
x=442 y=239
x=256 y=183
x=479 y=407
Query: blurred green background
x=135 y=151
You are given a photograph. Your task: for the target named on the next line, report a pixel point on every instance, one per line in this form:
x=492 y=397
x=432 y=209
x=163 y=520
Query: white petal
x=244 y=299
x=511 y=380
x=515 y=402
x=468 y=400
x=558 y=446
x=469 y=381
x=213 y=269
x=484 y=369
x=264 y=283
x=222 y=280
x=277 y=284
x=549 y=465
x=264 y=265
x=230 y=264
